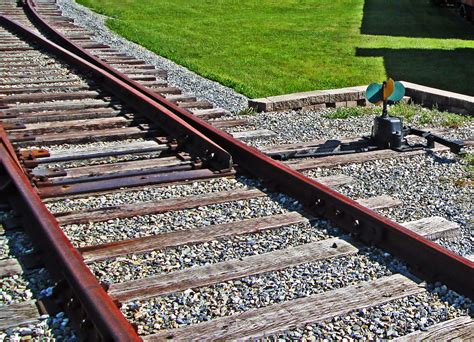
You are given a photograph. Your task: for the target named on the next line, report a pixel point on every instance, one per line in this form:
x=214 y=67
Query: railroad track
x=135 y=202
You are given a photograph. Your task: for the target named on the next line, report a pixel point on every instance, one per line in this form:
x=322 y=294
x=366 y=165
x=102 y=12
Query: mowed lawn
x=270 y=47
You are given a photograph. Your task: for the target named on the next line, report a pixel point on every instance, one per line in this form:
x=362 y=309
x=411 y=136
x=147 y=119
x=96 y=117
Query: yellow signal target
x=388 y=89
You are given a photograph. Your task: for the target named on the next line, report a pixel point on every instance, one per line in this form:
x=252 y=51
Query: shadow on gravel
x=413 y=18
x=39 y=282
x=441 y=159
x=430 y=67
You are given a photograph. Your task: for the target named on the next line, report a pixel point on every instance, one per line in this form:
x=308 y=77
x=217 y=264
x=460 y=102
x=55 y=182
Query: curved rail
x=427 y=259
x=95 y=315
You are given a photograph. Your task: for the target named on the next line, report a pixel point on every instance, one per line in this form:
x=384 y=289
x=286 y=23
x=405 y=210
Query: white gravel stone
x=298 y=126
x=4 y=247
x=228 y=298
x=14 y=289
x=46 y=329
x=137 y=266
x=304 y=125
x=394 y=319
x=30 y=285
x=128 y=228
x=427 y=185
x=150 y=193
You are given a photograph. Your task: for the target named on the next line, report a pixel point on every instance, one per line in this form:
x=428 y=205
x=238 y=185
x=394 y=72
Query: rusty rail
x=8 y=147
x=97 y=316
x=426 y=258
x=189 y=139
x=94 y=315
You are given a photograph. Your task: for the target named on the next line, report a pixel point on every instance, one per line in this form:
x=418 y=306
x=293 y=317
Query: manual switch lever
x=388 y=132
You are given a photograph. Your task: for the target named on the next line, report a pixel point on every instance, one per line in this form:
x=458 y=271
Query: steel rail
x=6 y=143
x=88 y=305
x=426 y=258
x=189 y=138
x=89 y=302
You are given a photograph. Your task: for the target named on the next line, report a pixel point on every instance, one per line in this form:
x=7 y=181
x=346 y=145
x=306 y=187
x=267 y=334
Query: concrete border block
x=355 y=96
x=310 y=99
x=261 y=105
x=315 y=107
x=352 y=103
x=444 y=100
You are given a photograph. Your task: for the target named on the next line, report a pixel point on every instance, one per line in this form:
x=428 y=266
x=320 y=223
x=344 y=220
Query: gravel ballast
x=303 y=125
x=228 y=298
x=298 y=126
x=427 y=185
x=387 y=321
x=29 y=286
x=137 y=266
x=14 y=289
x=48 y=64
x=150 y=193
x=47 y=328
x=120 y=229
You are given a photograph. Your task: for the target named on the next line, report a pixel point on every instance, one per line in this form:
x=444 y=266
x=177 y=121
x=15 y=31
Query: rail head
x=6 y=143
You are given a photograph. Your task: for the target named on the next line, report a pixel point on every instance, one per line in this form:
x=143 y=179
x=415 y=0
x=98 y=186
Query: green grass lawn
x=412 y=114
x=270 y=47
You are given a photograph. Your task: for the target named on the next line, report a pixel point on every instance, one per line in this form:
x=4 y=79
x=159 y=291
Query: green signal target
x=374 y=93
x=398 y=92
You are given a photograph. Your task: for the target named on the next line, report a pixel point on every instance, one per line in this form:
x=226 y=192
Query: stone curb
x=311 y=99
x=444 y=100
x=355 y=96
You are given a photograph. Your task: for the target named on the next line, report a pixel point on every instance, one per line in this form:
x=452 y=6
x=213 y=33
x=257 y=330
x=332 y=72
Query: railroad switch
x=388 y=132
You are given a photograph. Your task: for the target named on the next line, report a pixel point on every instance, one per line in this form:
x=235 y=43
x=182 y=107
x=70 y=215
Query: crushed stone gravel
x=385 y=322
x=30 y=285
x=120 y=229
x=47 y=328
x=14 y=289
x=150 y=193
x=137 y=266
x=228 y=298
x=296 y=126
x=427 y=185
